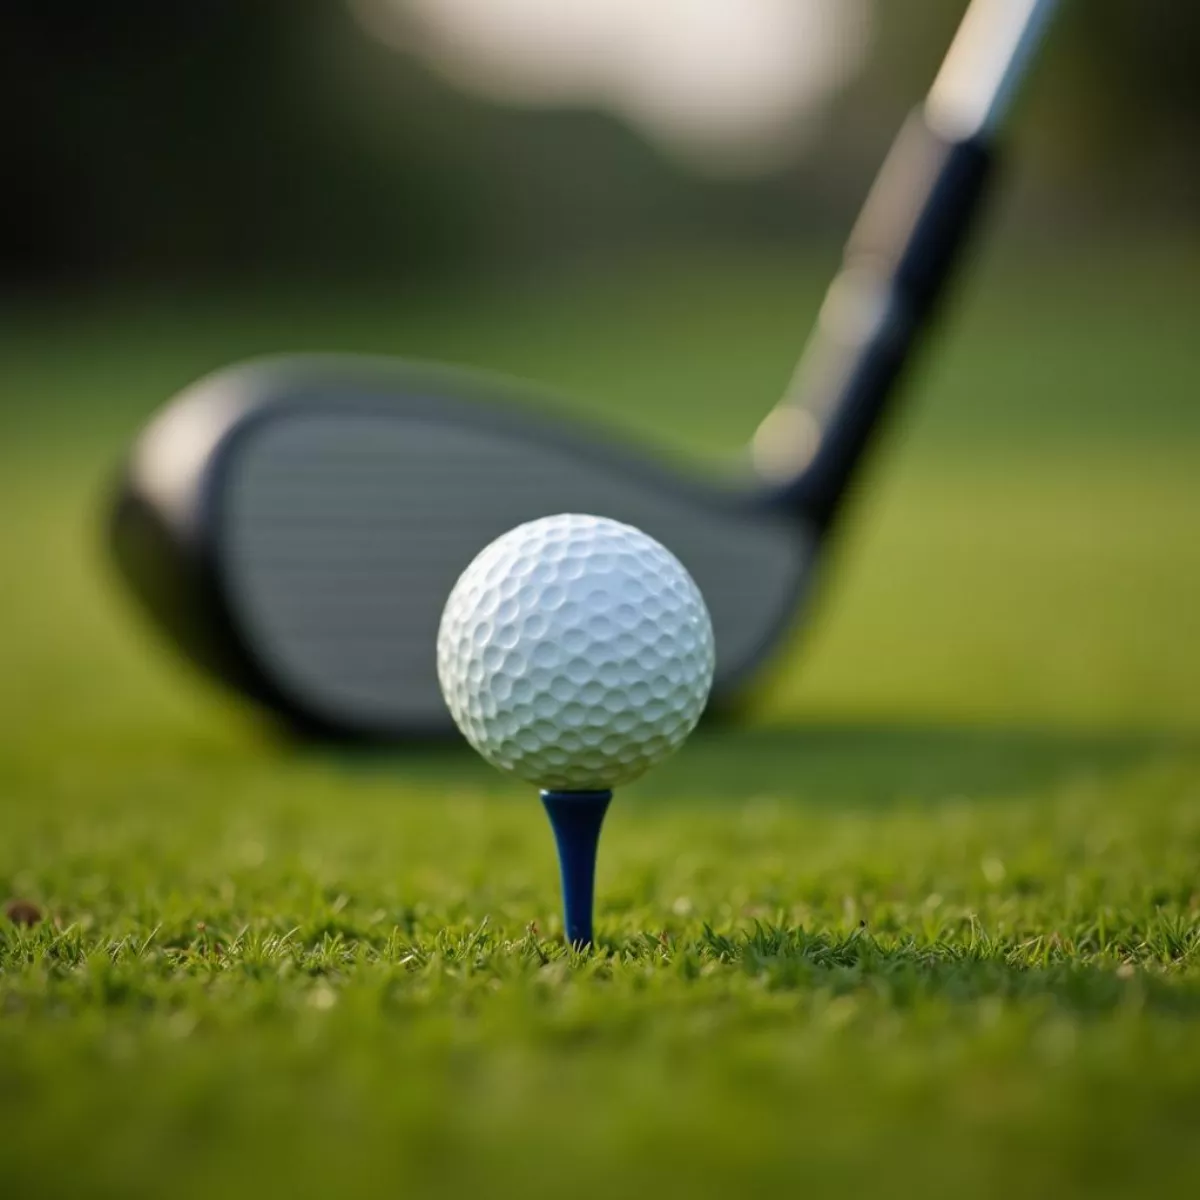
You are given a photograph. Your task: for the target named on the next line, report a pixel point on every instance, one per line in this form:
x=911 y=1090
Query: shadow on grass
x=879 y=765
x=1081 y=973
x=872 y=765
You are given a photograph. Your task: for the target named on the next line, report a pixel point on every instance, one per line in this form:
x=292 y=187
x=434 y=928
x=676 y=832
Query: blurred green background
x=190 y=185
x=224 y=141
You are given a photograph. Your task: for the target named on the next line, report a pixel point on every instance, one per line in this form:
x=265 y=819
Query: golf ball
x=575 y=652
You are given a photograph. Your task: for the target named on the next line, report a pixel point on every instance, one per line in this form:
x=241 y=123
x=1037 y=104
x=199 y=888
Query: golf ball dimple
x=575 y=652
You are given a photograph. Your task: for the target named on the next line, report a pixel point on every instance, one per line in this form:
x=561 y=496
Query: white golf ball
x=575 y=652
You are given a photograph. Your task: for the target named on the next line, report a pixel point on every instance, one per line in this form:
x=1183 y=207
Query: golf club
x=296 y=524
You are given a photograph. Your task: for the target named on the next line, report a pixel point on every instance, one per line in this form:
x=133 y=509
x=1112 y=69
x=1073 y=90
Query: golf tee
x=576 y=818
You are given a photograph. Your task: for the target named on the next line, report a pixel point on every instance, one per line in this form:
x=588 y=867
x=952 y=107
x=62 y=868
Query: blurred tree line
x=230 y=139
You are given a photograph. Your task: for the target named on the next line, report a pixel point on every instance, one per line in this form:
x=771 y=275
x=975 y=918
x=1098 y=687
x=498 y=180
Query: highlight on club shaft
x=981 y=74
x=576 y=818
x=902 y=252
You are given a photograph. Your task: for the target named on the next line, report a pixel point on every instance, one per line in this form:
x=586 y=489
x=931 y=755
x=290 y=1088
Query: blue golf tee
x=576 y=818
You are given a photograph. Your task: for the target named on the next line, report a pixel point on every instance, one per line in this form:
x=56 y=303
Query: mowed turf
x=928 y=923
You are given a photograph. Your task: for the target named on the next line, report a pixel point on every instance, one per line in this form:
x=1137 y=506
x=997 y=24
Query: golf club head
x=296 y=525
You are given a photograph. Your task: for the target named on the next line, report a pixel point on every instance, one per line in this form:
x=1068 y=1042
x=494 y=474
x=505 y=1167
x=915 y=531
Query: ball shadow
x=868 y=764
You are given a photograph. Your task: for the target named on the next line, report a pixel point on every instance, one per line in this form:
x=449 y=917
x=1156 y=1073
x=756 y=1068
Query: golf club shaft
x=899 y=257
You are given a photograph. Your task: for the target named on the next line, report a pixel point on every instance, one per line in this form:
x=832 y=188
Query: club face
x=326 y=509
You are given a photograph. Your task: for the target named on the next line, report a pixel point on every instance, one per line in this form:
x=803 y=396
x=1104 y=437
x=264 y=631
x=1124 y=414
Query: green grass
x=928 y=924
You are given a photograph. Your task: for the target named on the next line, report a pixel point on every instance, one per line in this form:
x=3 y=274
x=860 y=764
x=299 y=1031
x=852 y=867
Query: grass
x=928 y=924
